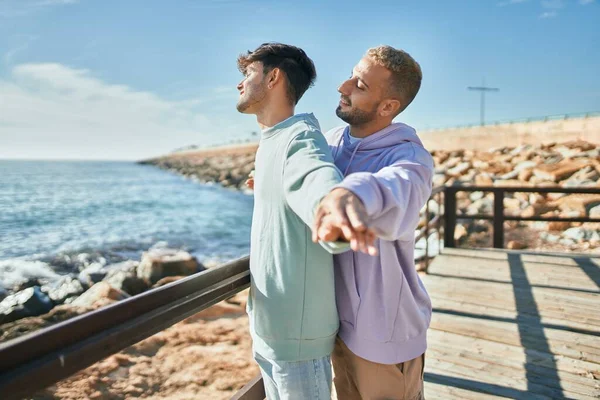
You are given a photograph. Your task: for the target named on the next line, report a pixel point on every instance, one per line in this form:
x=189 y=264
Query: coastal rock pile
x=37 y=303
x=227 y=169
x=570 y=164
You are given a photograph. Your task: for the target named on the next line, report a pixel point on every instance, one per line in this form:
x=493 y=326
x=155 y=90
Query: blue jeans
x=296 y=380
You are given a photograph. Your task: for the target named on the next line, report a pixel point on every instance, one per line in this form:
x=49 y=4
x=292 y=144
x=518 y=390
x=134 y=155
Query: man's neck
x=271 y=116
x=371 y=127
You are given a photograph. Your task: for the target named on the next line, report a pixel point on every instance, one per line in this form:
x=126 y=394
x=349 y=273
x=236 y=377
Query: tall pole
x=483 y=89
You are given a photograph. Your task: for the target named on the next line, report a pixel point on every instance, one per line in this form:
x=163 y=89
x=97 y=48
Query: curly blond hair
x=406 y=72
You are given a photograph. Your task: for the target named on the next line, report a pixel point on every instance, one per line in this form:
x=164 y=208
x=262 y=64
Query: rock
x=30 y=282
x=594 y=212
x=64 y=289
x=576 y=234
x=582 y=145
x=510 y=183
x=528 y=212
x=92 y=275
x=460 y=233
x=167 y=280
x=510 y=175
x=525 y=165
x=580 y=202
x=439 y=180
x=510 y=203
x=536 y=198
x=558 y=225
x=26 y=325
x=567 y=242
x=100 y=294
x=159 y=263
x=516 y=245
x=3 y=293
x=26 y=303
x=482 y=206
x=460 y=169
x=549 y=237
x=476 y=196
x=483 y=180
x=559 y=171
x=126 y=281
x=525 y=175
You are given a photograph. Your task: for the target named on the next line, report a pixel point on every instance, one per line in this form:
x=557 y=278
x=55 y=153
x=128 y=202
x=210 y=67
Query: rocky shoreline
x=39 y=302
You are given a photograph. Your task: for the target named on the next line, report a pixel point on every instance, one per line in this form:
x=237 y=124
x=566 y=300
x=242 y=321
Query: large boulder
x=63 y=290
x=159 y=263
x=127 y=281
x=23 y=326
x=26 y=303
x=102 y=293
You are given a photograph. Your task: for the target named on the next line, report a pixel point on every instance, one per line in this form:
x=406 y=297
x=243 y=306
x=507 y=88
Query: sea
x=57 y=217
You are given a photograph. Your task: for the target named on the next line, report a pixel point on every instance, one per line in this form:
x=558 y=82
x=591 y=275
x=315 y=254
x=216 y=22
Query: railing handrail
x=544 y=118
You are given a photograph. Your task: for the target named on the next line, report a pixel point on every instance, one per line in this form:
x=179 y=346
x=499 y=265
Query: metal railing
x=545 y=118
x=498 y=217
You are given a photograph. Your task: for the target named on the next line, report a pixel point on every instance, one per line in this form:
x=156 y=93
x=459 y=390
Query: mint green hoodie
x=291 y=306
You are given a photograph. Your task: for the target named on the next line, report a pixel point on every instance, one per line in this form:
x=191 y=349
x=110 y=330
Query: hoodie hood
x=392 y=135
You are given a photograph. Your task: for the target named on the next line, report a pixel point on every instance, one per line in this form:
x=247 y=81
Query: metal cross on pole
x=483 y=89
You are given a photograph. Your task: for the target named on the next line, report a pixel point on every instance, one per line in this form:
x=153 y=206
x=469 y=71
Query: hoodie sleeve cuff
x=363 y=185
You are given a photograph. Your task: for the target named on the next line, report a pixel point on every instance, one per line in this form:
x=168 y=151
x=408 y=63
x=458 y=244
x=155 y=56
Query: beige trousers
x=359 y=379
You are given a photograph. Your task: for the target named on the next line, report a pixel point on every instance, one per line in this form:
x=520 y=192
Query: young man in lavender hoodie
x=383 y=306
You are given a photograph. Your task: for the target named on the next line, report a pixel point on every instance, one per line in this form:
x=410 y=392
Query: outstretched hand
x=342 y=215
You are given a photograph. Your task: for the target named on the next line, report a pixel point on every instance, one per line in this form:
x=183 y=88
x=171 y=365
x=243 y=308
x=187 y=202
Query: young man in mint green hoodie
x=291 y=307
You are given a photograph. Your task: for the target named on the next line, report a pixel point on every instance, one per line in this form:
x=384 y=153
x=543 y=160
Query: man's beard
x=255 y=94
x=355 y=116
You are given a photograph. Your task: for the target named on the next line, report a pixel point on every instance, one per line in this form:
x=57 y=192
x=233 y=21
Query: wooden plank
x=501 y=376
x=543 y=297
x=526 y=256
x=499 y=270
x=483 y=313
x=576 y=370
x=451 y=374
x=503 y=332
x=505 y=368
x=436 y=391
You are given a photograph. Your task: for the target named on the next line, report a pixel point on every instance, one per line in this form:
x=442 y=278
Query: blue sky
x=127 y=79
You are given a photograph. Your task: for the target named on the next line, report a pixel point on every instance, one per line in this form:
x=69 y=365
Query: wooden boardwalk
x=513 y=325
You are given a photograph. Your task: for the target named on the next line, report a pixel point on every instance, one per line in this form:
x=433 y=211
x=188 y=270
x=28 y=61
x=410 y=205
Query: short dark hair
x=293 y=61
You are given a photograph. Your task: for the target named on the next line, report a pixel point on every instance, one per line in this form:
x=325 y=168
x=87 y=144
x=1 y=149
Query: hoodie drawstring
x=351 y=158
x=337 y=149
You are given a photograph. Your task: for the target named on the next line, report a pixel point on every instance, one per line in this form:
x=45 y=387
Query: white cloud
x=552 y=4
x=548 y=14
x=15 y=8
x=510 y=2
x=585 y=2
x=54 y=111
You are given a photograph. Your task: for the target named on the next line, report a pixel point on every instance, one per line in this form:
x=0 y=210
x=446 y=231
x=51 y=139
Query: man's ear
x=275 y=75
x=389 y=107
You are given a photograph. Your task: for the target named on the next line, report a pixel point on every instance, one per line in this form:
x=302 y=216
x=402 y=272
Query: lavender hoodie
x=383 y=306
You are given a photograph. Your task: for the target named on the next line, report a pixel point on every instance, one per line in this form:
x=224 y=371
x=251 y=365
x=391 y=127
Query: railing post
x=450 y=220
x=498 y=219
